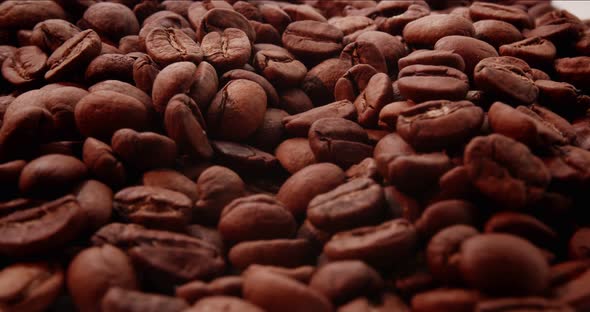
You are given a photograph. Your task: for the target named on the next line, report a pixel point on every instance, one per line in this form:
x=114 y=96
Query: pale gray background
x=579 y=7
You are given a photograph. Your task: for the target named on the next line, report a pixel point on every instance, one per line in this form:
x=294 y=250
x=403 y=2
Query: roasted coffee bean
x=96 y=201
x=241 y=103
x=154 y=207
x=295 y=154
x=574 y=292
x=470 y=49
x=170 y=45
x=280 y=68
x=391 y=112
x=10 y=173
x=400 y=14
x=426 y=31
x=222 y=286
x=164 y=258
x=262 y=287
x=442 y=252
x=572 y=100
x=535 y=51
x=217 y=186
x=369 y=103
x=218 y=19
x=184 y=124
x=494 y=74
x=225 y=50
x=353 y=82
x=145 y=71
x=118 y=299
x=229 y=304
x=26 y=14
x=453 y=299
x=276 y=252
x=515 y=16
x=385 y=302
x=303 y=186
x=299 y=124
x=26 y=66
x=341 y=281
x=294 y=101
x=51 y=175
x=48 y=226
x=243 y=158
x=320 y=80
x=111 y=20
x=30 y=286
x=514 y=266
x=133 y=146
x=312 y=41
x=496 y=32
x=365 y=169
x=73 y=55
x=430 y=57
x=125 y=89
x=357 y=203
x=101 y=161
x=174 y=79
x=96 y=269
x=578 y=246
x=110 y=66
x=339 y=141
x=301 y=273
x=505 y=170
x=271 y=93
x=574 y=70
x=272 y=220
x=519 y=304
x=172 y=180
x=421 y=83
x=364 y=52
x=443 y=214
x=455 y=123
x=525 y=226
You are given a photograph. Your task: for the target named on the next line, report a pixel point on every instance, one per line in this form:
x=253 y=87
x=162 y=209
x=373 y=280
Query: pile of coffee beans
x=301 y=156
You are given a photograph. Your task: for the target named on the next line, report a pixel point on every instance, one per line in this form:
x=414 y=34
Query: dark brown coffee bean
x=365 y=169
x=101 y=161
x=376 y=95
x=572 y=100
x=353 y=82
x=27 y=65
x=111 y=20
x=153 y=207
x=9 y=176
x=51 y=175
x=520 y=304
x=535 y=126
x=391 y=47
x=145 y=71
x=390 y=113
x=523 y=225
x=184 y=124
x=265 y=33
x=421 y=83
x=228 y=304
x=274 y=15
x=217 y=187
x=271 y=132
x=96 y=269
x=272 y=220
x=301 y=273
x=48 y=226
x=226 y=50
x=436 y=58
x=378 y=245
x=455 y=123
x=401 y=166
x=294 y=101
x=575 y=292
x=96 y=201
x=364 y=52
x=174 y=79
x=242 y=104
x=400 y=14
x=357 y=203
x=513 y=266
x=277 y=252
x=222 y=286
x=269 y=89
x=519 y=176
x=564 y=272
x=118 y=299
x=169 y=45
x=312 y=41
x=515 y=16
x=133 y=146
x=26 y=14
x=301 y=12
x=470 y=49
x=578 y=244
x=303 y=186
x=218 y=19
x=453 y=299
x=172 y=180
x=125 y=89
x=341 y=281
x=130 y=44
x=163 y=258
x=443 y=249
x=385 y=302
x=574 y=70
x=494 y=74
x=339 y=141
x=73 y=55
x=300 y=124
x=535 y=51
x=295 y=154
x=27 y=124
x=263 y=288
x=320 y=80
x=243 y=157
x=30 y=286
x=426 y=31
x=280 y=68
x=443 y=214
x=110 y=66
x=496 y=32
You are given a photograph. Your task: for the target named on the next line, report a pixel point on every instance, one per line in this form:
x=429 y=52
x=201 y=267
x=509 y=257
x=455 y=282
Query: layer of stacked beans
x=302 y=156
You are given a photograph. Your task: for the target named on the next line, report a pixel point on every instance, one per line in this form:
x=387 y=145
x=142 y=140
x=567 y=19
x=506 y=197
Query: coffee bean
x=312 y=41
x=443 y=214
x=170 y=45
x=111 y=20
x=525 y=226
x=174 y=79
x=225 y=50
x=421 y=83
x=386 y=302
x=470 y=49
x=133 y=146
x=527 y=303
x=400 y=14
x=353 y=82
x=427 y=30
x=280 y=68
x=448 y=299
x=204 y=86
x=26 y=66
x=515 y=267
x=101 y=161
x=364 y=52
x=184 y=124
x=96 y=269
x=276 y=252
x=320 y=80
x=456 y=123
x=119 y=299
x=26 y=14
x=515 y=16
x=145 y=71
x=442 y=252
x=73 y=54
x=243 y=158
x=51 y=175
x=229 y=304
x=299 y=124
x=496 y=32
x=574 y=70
x=218 y=19
x=30 y=286
x=217 y=187
x=271 y=93
x=222 y=286
x=436 y=58
x=295 y=154
x=495 y=73
x=377 y=94
x=96 y=201
x=110 y=66
x=535 y=51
